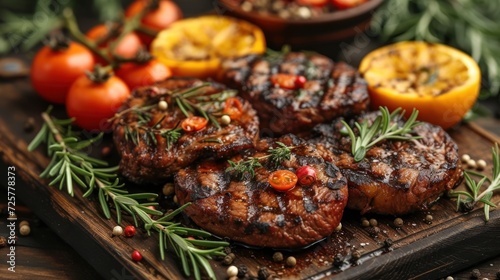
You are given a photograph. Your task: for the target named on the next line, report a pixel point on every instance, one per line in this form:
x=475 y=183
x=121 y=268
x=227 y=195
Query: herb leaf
x=385 y=126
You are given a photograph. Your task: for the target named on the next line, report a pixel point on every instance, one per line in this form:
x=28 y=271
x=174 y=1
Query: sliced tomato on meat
x=282 y=180
x=347 y=4
x=233 y=108
x=194 y=123
x=288 y=81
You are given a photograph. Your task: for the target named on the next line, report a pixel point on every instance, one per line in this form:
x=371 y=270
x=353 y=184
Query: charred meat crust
x=396 y=177
x=250 y=211
x=144 y=162
x=332 y=90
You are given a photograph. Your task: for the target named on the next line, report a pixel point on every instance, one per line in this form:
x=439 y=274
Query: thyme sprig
x=467 y=200
x=70 y=166
x=385 y=126
x=275 y=156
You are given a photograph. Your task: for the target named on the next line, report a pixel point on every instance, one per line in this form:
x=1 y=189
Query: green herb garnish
x=275 y=156
x=70 y=166
x=385 y=126
x=466 y=200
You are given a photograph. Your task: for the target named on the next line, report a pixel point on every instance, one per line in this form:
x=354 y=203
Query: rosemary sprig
x=385 y=126
x=70 y=166
x=275 y=156
x=466 y=200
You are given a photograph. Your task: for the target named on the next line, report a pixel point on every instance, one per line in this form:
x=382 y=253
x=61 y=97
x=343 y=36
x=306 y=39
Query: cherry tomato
x=127 y=48
x=288 y=81
x=306 y=175
x=53 y=71
x=233 y=108
x=282 y=180
x=315 y=3
x=92 y=103
x=194 y=123
x=158 y=19
x=137 y=75
x=346 y=4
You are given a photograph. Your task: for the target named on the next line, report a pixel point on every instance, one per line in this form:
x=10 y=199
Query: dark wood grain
x=420 y=251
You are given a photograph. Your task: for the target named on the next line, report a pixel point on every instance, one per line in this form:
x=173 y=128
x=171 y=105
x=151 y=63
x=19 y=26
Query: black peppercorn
x=475 y=274
x=263 y=273
x=242 y=271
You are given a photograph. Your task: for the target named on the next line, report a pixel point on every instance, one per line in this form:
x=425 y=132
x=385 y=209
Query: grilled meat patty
x=140 y=131
x=252 y=212
x=331 y=90
x=396 y=176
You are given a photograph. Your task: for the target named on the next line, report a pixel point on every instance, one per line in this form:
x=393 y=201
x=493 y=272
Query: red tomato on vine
x=127 y=48
x=93 y=101
x=54 y=70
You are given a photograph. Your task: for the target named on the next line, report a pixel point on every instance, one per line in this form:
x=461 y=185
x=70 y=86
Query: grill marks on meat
x=332 y=90
x=252 y=212
x=146 y=162
x=395 y=177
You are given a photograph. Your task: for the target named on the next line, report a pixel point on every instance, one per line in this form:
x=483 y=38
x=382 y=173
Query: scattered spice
x=475 y=274
x=242 y=271
x=25 y=230
x=225 y=120
x=365 y=223
x=356 y=255
x=465 y=158
x=373 y=222
x=338 y=260
x=136 y=256
x=228 y=259
x=105 y=151
x=428 y=219
x=232 y=271
x=449 y=278
x=129 y=231
x=398 y=222
x=291 y=261
x=278 y=257
x=339 y=227
x=168 y=189
x=388 y=243
x=471 y=164
x=23 y=222
x=263 y=273
x=117 y=231
x=163 y=105
x=481 y=164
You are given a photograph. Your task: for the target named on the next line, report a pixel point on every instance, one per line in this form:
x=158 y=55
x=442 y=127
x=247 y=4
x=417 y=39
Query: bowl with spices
x=304 y=23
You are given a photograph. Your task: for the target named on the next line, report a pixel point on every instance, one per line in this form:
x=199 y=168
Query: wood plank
x=420 y=250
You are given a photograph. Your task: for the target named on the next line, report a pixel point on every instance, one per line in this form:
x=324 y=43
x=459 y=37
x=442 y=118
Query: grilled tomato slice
x=196 y=46
x=441 y=82
x=282 y=180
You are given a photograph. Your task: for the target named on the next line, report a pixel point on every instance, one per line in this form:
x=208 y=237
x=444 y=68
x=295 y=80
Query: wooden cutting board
x=420 y=250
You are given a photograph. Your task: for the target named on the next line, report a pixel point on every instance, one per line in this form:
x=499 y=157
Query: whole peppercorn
x=263 y=273
x=481 y=164
x=449 y=278
x=373 y=231
x=228 y=259
x=428 y=219
x=356 y=255
x=278 y=257
x=25 y=230
x=398 y=222
x=136 y=256
x=388 y=242
x=162 y=105
x=24 y=222
x=475 y=274
x=242 y=271
x=338 y=260
x=465 y=158
x=291 y=261
x=339 y=227
x=232 y=271
x=129 y=231
x=373 y=222
x=225 y=120
x=106 y=151
x=29 y=125
x=168 y=189
x=117 y=231
x=365 y=223
x=471 y=164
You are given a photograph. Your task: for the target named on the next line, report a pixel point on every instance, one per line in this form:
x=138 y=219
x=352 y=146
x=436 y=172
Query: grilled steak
x=148 y=155
x=396 y=176
x=252 y=212
x=330 y=89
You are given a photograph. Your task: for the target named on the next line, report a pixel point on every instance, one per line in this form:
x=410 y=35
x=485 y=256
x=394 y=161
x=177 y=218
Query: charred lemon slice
x=195 y=46
x=441 y=82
